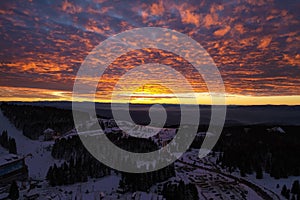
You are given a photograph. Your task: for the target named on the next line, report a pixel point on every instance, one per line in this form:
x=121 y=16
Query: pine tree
x=49 y=173
x=259 y=173
x=13 y=191
x=295 y=187
x=283 y=191
x=4 y=139
x=54 y=174
x=288 y=194
x=242 y=172
x=12 y=148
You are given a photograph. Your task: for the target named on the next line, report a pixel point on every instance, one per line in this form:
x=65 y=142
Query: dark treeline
x=65 y=148
x=133 y=144
x=180 y=191
x=257 y=149
x=292 y=193
x=13 y=191
x=76 y=171
x=80 y=164
x=33 y=120
x=8 y=143
x=143 y=181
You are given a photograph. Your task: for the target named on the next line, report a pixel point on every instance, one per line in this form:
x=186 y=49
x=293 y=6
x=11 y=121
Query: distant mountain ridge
x=236 y=114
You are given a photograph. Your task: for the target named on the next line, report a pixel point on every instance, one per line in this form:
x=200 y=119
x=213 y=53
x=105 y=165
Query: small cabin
x=48 y=134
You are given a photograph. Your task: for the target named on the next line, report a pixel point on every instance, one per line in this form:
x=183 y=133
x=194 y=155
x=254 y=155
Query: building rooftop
x=5 y=159
x=48 y=130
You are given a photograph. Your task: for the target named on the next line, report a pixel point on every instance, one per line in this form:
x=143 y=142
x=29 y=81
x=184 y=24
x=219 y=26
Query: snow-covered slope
x=41 y=157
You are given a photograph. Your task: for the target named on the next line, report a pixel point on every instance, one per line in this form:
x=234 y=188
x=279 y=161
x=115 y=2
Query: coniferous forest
x=252 y=149
x=258 y=149
x=77 y=158
x=33 y=120
x=8 y=143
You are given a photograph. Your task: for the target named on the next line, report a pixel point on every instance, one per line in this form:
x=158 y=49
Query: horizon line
x=136 y=103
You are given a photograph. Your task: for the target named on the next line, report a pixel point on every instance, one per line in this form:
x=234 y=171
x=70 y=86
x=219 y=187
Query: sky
x=254 y=44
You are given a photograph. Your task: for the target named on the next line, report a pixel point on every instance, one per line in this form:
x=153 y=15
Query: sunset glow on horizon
x=254 y=43
x=26 y=95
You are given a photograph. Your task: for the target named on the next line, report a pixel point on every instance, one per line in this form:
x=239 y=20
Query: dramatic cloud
x=255 y=43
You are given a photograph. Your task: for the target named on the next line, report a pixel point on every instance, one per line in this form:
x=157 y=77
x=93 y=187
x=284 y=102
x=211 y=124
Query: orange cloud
x=208 y=20
x=33 y=94
x=70 y=8
x=157 y=8
x=292 y=60
x=188 y=14
x=264 y=42
x=216 y=7
x=222 y=32
x=257 y=2
x=48 y=69
x=240 y=28
x=43 y=49
x=190 y=18
x=6 y=12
